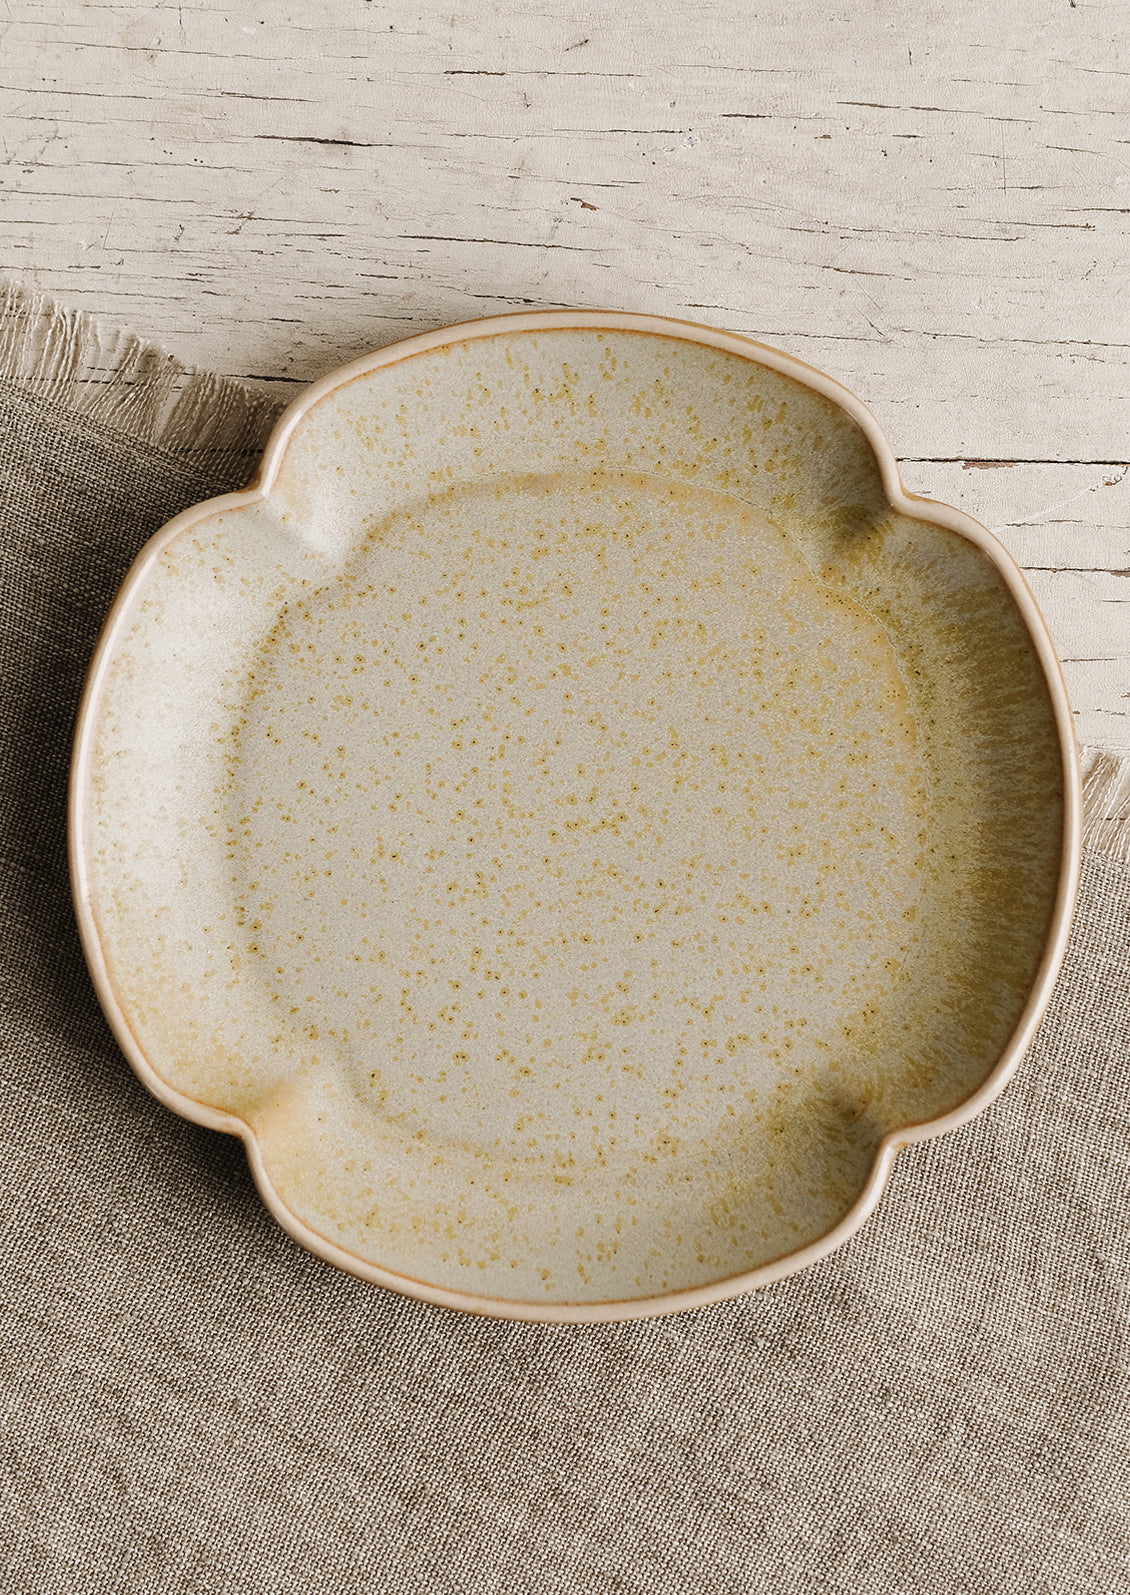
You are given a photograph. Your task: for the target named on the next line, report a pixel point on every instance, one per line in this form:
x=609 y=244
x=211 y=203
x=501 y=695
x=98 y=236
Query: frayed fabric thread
x=1106 y=803
x=111 y=376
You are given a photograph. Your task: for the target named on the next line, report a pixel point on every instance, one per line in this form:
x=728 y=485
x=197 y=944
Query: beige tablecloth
x=189 y=1402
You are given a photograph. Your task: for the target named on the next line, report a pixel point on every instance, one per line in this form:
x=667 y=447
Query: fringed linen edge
x=113 y=377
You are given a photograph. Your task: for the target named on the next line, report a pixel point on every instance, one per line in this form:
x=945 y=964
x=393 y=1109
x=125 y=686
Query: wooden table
x=929 y=201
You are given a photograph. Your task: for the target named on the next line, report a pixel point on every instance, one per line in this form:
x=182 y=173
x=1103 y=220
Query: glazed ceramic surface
x=575 y=818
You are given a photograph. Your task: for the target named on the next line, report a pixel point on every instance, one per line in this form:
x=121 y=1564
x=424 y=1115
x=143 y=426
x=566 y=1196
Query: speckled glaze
x=576 y=817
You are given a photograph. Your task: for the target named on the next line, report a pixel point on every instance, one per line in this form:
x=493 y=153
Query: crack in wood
x=506 y=243
x=308 y=138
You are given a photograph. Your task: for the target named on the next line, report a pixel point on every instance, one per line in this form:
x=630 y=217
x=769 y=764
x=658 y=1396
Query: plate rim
x=911 y=505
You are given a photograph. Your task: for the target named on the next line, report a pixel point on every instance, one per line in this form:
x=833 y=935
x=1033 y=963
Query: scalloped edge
x=904 y=503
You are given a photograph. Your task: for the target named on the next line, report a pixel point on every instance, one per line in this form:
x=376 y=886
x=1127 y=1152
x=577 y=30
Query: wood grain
x=928 y=201
x=1068 y=527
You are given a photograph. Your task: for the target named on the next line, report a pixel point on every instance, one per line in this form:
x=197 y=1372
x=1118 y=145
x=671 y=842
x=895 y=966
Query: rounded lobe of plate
x=573 y=819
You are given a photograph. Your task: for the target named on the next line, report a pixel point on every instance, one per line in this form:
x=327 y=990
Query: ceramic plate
x=575 y=817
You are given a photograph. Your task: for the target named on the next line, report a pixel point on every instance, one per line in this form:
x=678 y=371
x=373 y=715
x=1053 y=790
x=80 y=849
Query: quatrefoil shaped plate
x=575 y=816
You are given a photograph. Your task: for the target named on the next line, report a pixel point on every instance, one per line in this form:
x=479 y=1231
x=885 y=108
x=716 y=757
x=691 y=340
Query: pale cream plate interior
x=576 y=817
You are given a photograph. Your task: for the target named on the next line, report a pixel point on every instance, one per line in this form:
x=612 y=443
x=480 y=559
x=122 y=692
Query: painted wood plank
x=930 y=202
